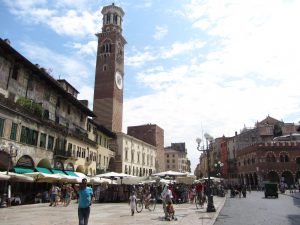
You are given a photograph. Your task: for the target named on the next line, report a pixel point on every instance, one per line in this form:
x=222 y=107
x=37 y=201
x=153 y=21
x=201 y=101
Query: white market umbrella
x=132 y=180
x=81 y=176
x=169 y=173
x=43 y=177
x=16 y=177
x=98 y=180
x=3 y=176
x=113 y=175
x=68 y=178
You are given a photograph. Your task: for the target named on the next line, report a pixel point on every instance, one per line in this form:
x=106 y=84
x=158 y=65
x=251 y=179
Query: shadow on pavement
x=294 y=219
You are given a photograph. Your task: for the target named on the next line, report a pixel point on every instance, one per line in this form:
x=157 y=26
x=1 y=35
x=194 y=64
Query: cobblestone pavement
x=106 y=214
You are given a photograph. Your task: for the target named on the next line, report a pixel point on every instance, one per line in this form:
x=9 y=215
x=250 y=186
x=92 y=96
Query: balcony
x=63 y=154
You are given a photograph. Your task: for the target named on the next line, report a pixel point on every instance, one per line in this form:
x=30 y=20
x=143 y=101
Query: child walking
x=132 y=202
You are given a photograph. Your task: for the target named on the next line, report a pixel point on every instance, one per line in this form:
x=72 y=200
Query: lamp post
x=210 y=202
x=12 y=153
x=218 y=167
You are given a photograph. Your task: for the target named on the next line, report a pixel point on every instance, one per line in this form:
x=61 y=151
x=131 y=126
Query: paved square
x=106 y=214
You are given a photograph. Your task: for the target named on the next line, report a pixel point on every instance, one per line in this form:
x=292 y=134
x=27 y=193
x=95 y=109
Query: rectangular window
x=13 y=131
x=15 y=73
x=50 y=142
x=29 y=136
x=43 y=140
x=100 y=140
x=69 y=146
x=58 y=102
x=1 y=126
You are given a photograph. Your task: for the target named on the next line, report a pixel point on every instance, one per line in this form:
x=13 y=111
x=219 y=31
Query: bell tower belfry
x=108 y=90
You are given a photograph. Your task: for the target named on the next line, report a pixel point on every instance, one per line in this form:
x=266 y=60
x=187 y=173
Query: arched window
x=284 y=157
x=270 y=157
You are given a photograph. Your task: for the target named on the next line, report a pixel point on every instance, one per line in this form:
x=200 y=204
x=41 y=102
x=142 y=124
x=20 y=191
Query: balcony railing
x=62 y=153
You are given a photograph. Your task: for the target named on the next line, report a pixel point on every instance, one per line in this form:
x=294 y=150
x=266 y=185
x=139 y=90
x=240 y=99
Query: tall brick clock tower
x=108 y=91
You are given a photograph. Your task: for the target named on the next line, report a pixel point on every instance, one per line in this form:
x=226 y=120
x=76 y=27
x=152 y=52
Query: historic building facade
x=153 y=135
x=43 y=119
x=270 y=151
x=176 y=158
x=135 y=157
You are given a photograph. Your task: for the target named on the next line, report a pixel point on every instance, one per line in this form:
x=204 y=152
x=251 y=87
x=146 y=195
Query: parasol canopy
x=113 y=175
x=169 y=173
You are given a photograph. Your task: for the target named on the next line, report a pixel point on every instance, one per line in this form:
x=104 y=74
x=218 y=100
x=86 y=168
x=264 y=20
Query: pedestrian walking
x=86 y=198
x=166 y=192
x=54 y=191
x=132 y=202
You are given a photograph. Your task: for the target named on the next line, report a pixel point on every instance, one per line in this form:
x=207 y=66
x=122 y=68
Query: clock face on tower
x=119 y=80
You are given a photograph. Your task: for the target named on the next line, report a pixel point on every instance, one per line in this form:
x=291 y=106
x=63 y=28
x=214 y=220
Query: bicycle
x=140 y=202
x=200 y=201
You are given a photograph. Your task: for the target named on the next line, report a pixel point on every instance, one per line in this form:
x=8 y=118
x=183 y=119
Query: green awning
x=71 y=173
x=43 y=170
x=58 y=171
x=23 y=170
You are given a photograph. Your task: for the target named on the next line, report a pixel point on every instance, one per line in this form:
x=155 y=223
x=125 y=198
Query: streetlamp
x=210 y=201
x=12 y=153
x=218 y=167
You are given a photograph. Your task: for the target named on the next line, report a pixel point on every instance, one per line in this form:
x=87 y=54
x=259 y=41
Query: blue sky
x=191 y=66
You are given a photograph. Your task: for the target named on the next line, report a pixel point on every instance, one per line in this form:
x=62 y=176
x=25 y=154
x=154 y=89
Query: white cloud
x=75 y=23
x=160 y=32
x=64 y=21
x=182 y=48
x=139 y=58
x=71 y=68
x=87 y=93
x=89 y=48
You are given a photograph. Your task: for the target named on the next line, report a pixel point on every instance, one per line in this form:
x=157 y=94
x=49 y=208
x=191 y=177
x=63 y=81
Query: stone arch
x=255 y=179
x=246 y=179
x=44 y=163
x=241 y=179
x=25 y=161
x=270 y=156
x=133 y=170
x=251 y=181
x=288 y=177
x=297 y=177
x=126 y=171
x=273 y=176
x=284 y=156
x=80 y=169
x=4 y=159
x=58 y=165
x=70 y=166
